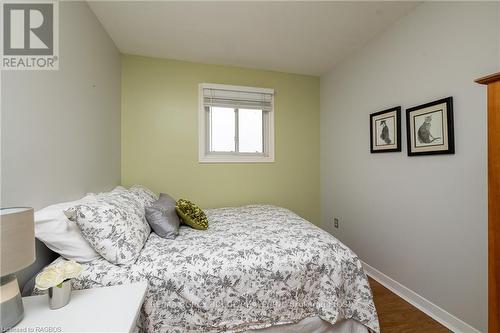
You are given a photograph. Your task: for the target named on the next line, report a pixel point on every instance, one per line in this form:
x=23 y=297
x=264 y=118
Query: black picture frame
x=374 y=134
x=431 y=144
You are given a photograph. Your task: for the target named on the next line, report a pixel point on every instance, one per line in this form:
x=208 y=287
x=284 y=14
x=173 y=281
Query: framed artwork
x=429 y=128
x=385 y=131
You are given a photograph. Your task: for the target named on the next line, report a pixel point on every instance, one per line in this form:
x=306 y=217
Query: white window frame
x=205 y=156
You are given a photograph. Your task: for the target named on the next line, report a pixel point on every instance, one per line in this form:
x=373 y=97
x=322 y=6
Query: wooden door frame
x=493 y=83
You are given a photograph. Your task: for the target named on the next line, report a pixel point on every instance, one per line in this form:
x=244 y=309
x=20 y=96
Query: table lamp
x=17 y=251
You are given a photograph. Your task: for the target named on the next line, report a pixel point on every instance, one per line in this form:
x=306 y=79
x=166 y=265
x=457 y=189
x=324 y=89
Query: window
x=236 y=124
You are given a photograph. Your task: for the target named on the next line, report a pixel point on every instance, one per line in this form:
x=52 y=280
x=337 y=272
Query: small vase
x=59 y=295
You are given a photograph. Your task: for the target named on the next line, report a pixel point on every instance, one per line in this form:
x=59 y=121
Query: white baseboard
x=432 y=310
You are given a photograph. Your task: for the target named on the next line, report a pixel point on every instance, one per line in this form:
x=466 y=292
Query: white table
x=107 y=309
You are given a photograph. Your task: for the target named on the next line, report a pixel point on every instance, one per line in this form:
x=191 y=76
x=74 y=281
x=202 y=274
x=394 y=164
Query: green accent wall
x=160 y=137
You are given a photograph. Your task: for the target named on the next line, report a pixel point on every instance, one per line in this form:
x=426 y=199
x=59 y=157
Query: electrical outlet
x=335 y=222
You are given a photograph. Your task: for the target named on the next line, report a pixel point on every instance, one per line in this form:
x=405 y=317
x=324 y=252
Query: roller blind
x=238 y=99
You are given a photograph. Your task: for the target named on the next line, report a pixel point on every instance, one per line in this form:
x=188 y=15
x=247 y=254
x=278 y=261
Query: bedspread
x=256 y=266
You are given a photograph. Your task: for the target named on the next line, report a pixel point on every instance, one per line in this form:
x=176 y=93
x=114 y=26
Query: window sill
x=235 y=159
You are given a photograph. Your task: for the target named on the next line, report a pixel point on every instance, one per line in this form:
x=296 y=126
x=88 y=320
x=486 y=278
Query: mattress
x=255 y=267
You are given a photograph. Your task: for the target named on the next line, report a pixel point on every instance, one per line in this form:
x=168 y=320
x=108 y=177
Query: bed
x=256 y=267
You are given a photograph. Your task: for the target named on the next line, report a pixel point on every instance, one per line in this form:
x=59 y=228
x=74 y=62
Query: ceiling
x=296 y=37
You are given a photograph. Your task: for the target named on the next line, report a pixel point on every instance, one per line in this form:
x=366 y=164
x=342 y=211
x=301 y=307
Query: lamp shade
x=17 y=239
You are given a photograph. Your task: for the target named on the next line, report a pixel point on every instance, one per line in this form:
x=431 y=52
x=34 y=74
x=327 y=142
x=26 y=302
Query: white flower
x=49 y=277
x=55 y=274
x=71 y=269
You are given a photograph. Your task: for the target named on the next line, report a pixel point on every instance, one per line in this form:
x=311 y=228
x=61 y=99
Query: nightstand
x=106 y=309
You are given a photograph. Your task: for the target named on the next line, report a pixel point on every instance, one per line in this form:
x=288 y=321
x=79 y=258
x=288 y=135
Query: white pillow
x=62 y=235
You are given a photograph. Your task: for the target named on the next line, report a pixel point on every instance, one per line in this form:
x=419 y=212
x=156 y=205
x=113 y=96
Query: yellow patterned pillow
x=191 y=214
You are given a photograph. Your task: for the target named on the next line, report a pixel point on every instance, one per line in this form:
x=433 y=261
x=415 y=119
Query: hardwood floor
x=398 y=316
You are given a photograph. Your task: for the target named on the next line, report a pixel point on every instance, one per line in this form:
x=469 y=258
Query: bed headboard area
x=60 y=130
x=44 y=256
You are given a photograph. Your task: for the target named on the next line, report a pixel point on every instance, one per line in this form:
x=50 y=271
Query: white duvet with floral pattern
x=256 y=266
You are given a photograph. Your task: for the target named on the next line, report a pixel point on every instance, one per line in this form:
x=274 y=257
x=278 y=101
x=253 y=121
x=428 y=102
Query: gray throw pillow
x=162 y=217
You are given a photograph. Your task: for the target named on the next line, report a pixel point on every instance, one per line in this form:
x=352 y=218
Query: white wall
x=61 y=129
x=420 y=220
x=498 y=34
